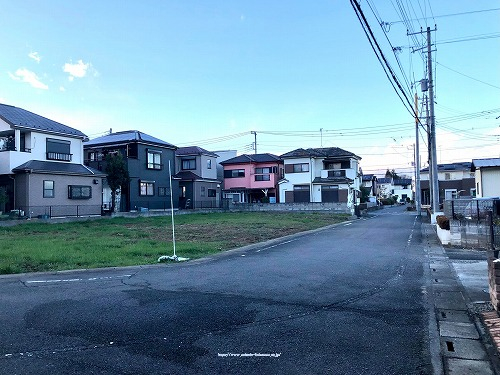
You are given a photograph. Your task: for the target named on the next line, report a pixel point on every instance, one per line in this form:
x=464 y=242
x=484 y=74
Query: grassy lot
x=36 y=246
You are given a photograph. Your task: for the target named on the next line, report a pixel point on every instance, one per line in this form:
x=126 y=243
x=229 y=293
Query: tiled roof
x=190 y=176
x=128 y=136
x=464 y=166
x=402 y=181
x=193 y=150
x=40 y=166
x=482 y=163
x=384 y=180
x=329 y=152
x=18 y=117
x=253 y=158
x=332 y=180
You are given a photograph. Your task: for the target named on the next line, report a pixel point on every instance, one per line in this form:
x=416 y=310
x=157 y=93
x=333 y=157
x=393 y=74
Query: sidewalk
x=458 y=290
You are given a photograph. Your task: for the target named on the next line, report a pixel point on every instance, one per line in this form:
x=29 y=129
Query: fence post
x=492 y=234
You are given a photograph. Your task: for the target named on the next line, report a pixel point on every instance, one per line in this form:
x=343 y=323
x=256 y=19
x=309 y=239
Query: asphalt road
x=344 y=300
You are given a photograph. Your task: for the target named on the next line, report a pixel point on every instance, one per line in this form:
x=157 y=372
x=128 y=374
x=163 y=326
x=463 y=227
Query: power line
x=447 y=15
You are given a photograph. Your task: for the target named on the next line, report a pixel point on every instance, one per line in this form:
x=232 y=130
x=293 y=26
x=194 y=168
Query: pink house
x=252 y=178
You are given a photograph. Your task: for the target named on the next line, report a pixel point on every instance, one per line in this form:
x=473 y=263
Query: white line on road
x=345 y=225
x=73 y=280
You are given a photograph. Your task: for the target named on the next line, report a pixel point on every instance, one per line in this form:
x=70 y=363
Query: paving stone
x=452 y=315
x=457 y=366
x=450 y=300
x=462 y=348
x=458 y=329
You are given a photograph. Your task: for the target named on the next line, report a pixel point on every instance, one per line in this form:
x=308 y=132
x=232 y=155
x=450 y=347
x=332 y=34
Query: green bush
x=443 y=222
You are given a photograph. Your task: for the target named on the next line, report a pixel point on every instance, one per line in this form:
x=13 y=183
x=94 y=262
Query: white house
x=487 y=177
x=320 y=175
x=41 y=167
x=402 y=188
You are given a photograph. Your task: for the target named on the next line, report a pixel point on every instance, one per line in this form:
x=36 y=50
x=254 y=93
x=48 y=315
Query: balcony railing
x=59 y=156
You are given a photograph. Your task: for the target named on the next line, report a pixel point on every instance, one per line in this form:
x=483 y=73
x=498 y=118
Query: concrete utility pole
x=255 y=141
x=417 y=160
x=432 y=123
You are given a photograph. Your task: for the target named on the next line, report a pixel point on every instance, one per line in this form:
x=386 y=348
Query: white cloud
x=61 y=88
x=35 y=56
x=30 y=77
x=78 y=70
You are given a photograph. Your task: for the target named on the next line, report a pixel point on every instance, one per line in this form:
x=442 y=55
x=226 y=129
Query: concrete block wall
x=494 y=281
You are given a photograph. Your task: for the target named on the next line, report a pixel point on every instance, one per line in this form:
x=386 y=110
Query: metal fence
x=45 y=212
x=476 y=222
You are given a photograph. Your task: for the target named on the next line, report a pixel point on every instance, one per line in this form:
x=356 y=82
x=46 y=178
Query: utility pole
x=417 y=160
x=432 y=130
x=321 y=134
x=255 y=141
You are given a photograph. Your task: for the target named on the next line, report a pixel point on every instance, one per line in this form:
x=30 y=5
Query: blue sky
x=210 y=72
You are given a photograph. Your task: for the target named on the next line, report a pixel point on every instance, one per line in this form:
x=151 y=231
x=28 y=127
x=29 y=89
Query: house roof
x=21 y=118
x=193 y=150
x=402 y=181
x=190 y=176
x=384 y=180
x=329 y=152
x=51 y=167
x=129 y=136
x=484 y=163
x=253 y=158
x=462 y=166
x=332 y=180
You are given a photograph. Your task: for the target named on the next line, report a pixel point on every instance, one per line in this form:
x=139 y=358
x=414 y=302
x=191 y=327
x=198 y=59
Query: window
x=48 y=189
x=79 y=192
x=163 y=191
x=263 y=170
x=188 y=164
x=209 y=164
x=262 y=177
x=447 y=176
x=146 y=188
x=58 y=149
x=202 y=192
x=154 y=160
x=234 y=173
x=212 y=193
x=473 y=192
x=297 y=168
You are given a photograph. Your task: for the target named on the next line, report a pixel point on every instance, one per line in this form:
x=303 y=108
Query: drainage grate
x=449 y=346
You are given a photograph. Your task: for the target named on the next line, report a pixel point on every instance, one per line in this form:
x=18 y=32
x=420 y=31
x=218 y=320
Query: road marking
x=74 y=280
x=345 y=225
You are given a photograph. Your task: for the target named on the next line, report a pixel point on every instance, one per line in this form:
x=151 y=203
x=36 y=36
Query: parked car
x=479 y=207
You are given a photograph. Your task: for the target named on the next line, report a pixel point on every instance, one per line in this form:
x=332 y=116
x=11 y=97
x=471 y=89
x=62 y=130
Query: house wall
x=302 y=178
x=29 y=195
x=37 y=142
x=488 y=182
x=248 y=182
x=205 y=171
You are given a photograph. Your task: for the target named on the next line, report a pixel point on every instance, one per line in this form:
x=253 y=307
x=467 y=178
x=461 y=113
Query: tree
x=118 y=175
x=365 y=194
x=391 y=173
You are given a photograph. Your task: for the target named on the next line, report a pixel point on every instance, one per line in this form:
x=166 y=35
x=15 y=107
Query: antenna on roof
x=110 y=130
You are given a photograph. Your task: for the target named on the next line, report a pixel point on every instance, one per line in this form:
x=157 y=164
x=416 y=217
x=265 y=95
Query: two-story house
x=402 y=187
x=454 y=179
x=487 y=176
x=385 y=187
x=252 y=178
x=147 y=159
x=197 y=174
x=41 y=167
x=370 y=182
x=321 y=175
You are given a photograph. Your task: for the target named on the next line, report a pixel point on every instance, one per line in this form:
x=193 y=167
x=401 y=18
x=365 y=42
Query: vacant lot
x=34 y=247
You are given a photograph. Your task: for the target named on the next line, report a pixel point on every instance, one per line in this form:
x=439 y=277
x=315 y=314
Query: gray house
x=147 y=159
x=197 y=174
x=41 y=167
